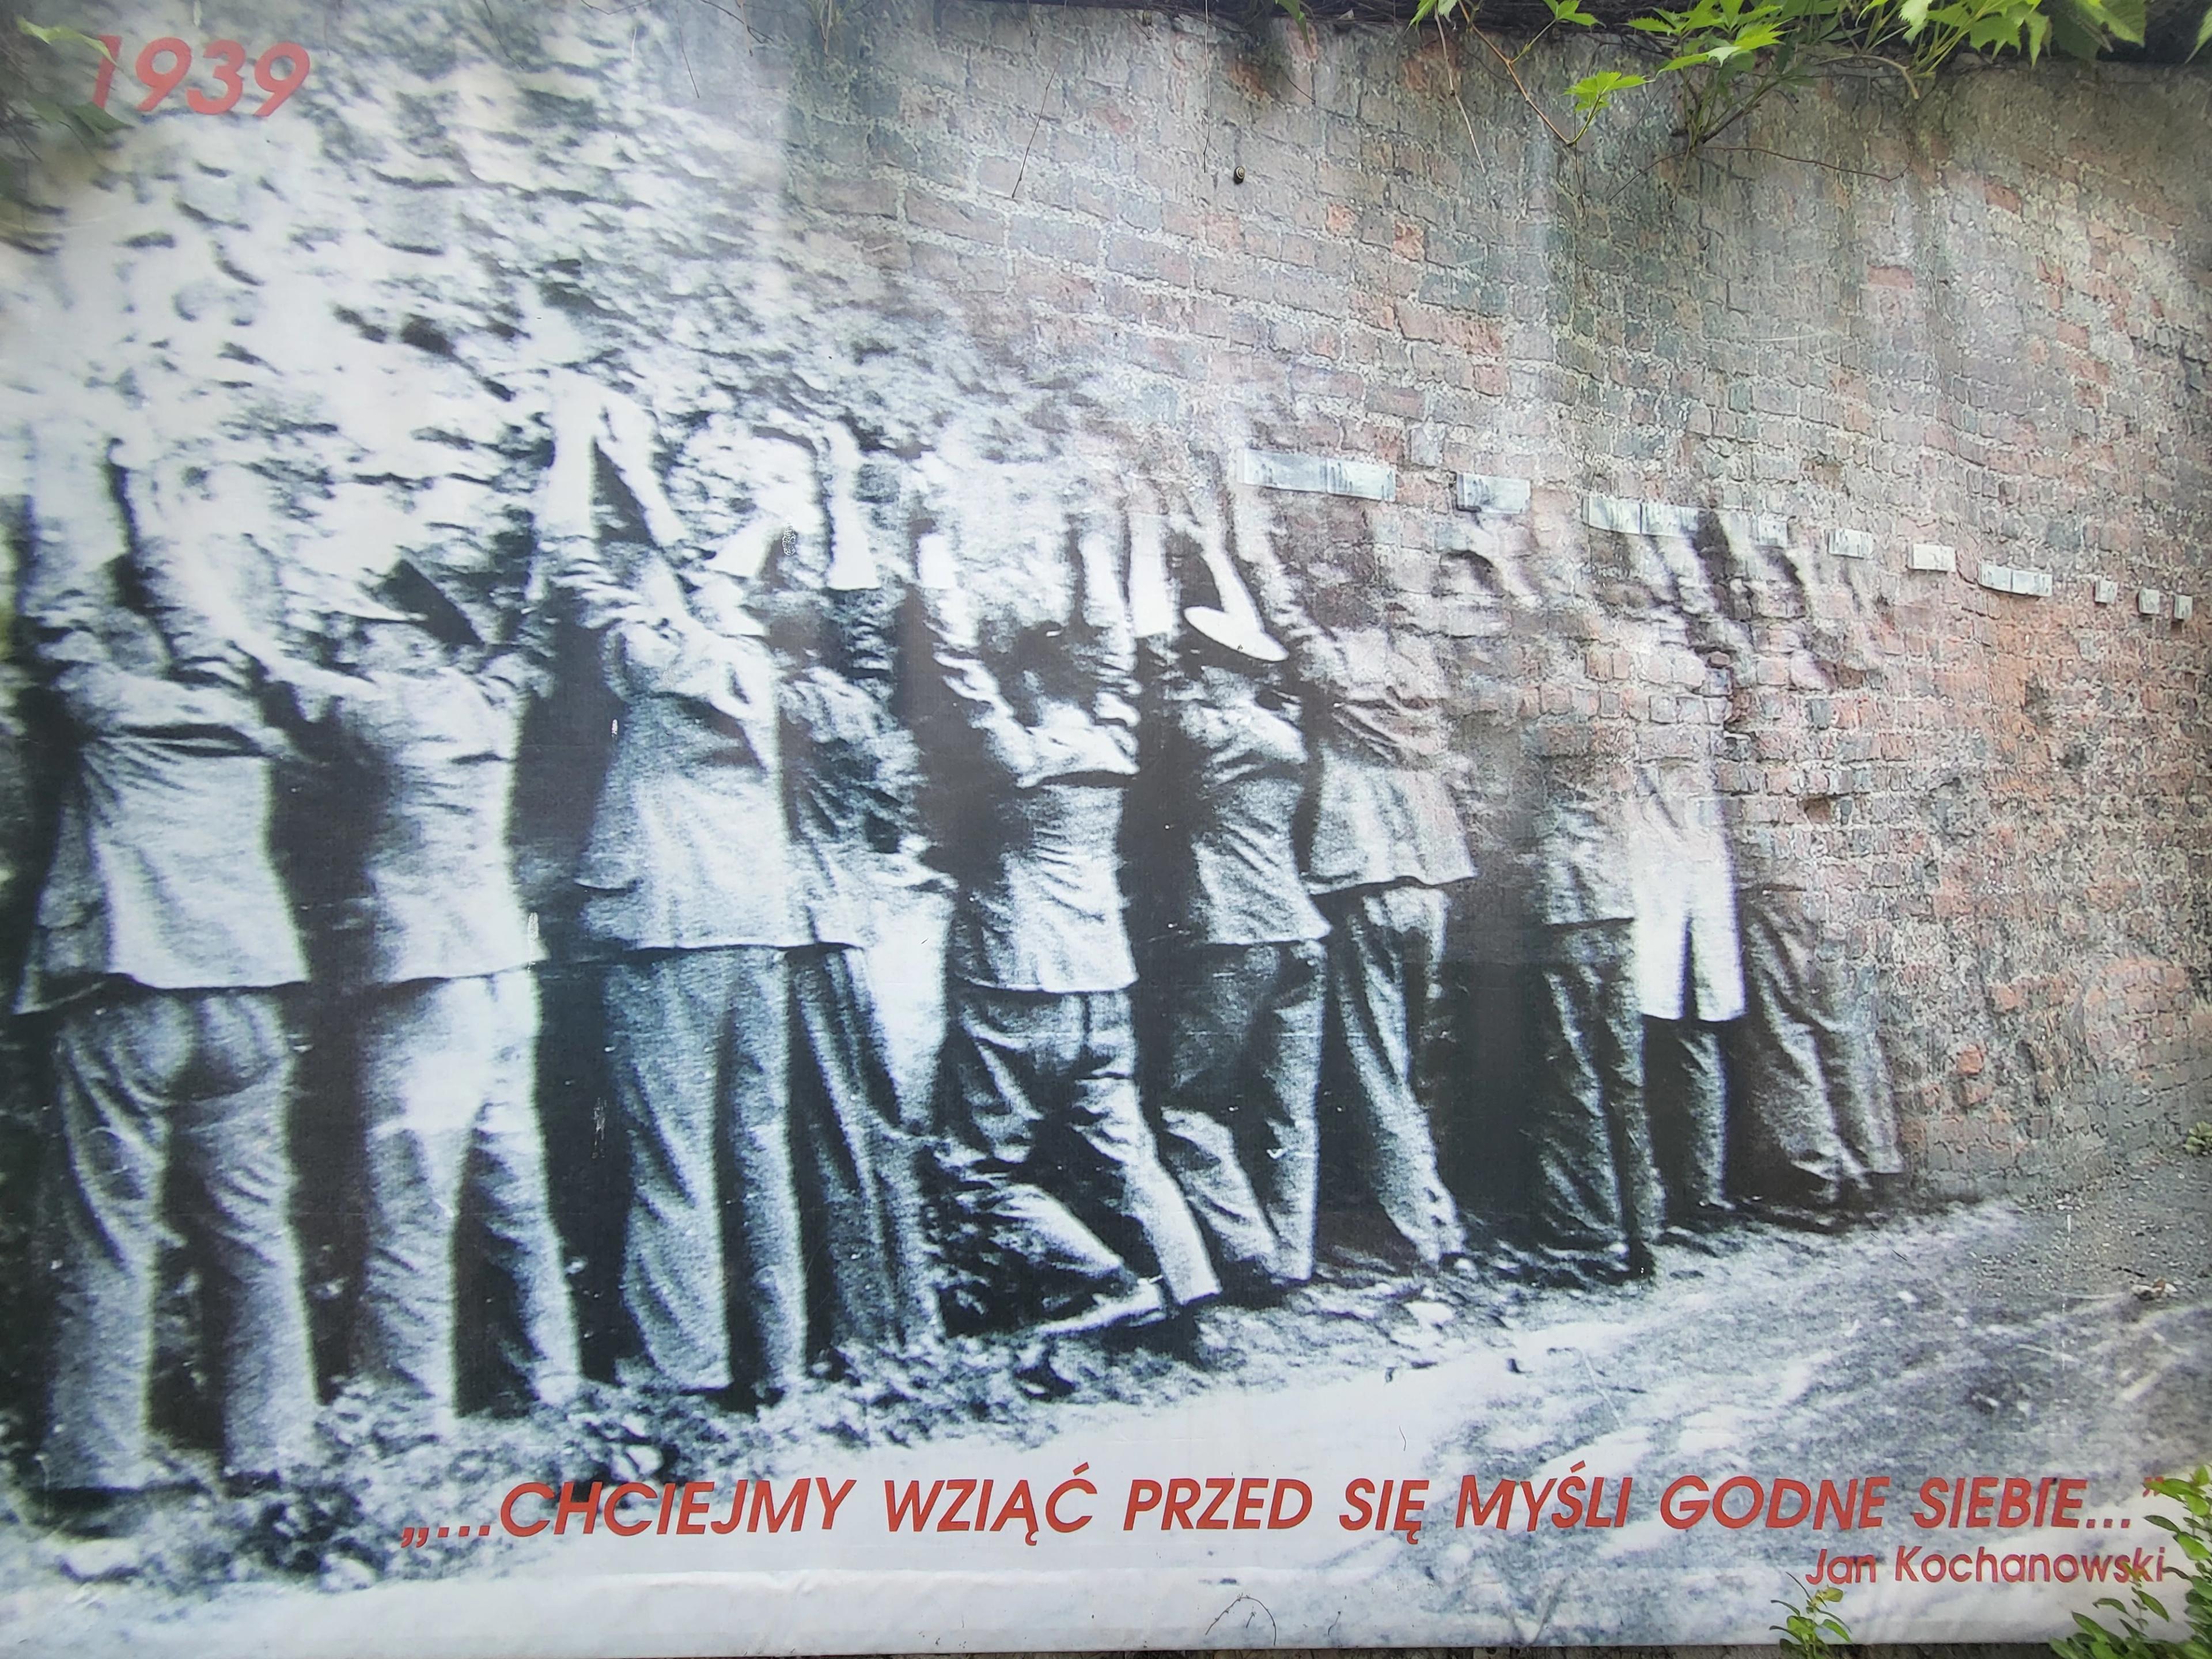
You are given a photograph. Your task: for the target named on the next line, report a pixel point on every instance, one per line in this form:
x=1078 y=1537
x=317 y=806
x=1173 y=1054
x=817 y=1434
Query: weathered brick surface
x=1991 y=332
x=1985 y=326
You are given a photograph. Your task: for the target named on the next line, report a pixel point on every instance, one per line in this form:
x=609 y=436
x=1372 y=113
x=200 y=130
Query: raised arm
x=1318 y=659
x=949 y=619
x=1106 y=647
x=589 y=420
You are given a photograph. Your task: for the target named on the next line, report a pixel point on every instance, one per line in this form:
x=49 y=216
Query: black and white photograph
x=901 y=824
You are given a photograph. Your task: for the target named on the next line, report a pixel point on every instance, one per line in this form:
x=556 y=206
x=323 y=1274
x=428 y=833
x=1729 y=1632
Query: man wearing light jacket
x=1051 y=1148
x=1234 y=970
x=687 y=882
x=427 y=722
x=164 y=948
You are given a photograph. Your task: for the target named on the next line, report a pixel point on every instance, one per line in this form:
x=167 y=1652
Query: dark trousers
x=867 y=1254
x=1383 y=950
x=1596 y=1188
x=1239 y=1129
x=182 y=1095
x=1047 y=1131
x=448 y=1073
x=1687 y=1096
x=698 y=1049
x=1818 y=1116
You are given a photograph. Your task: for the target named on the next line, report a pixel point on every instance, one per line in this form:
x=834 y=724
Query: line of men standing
x=753 y=782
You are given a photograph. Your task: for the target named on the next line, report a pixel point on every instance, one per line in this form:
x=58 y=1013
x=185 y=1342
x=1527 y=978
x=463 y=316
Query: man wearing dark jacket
x=1386 y=842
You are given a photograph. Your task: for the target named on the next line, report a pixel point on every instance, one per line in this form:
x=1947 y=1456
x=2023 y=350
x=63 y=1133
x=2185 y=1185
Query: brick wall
x=1985 y=325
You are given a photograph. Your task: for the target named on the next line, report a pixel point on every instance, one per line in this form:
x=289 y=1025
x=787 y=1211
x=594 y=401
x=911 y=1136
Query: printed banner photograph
x=848 y=828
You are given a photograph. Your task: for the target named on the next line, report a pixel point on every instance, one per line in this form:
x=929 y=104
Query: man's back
x=162 y=871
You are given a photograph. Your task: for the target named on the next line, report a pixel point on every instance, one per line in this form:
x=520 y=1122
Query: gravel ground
x=2069 y=1334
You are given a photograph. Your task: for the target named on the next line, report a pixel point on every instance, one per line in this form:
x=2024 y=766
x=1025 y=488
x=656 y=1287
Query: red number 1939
x=162 y=66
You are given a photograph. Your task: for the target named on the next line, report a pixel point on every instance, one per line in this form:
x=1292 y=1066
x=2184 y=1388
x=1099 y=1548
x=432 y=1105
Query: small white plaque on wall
x=1484 y=492
x=1932 y=555
x=1850 y=543
x=1665 y=519
x=1744 y=529
x=2010 y=578
x=2150 y=602
x=1612 y=512
x=2107 y=591
x=2183 y=607
x=1321 y=475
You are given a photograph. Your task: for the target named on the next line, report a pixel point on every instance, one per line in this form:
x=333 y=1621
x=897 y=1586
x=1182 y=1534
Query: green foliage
x=1593 y=92
x=2192 y=1535
x=40 y=65
x=1725 y=57
x=1807 y=1630
x=2198 y=1141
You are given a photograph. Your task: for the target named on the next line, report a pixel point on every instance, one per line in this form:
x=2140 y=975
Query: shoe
x=1551 y=1267
x=1251 y=1285
x=1691 y=1238
x=1185 y=1334
x=1141 y=1303
x=1796 y=1217
x=98 y=1511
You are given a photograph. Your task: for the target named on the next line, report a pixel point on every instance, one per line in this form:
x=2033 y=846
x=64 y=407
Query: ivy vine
x=1725 y=57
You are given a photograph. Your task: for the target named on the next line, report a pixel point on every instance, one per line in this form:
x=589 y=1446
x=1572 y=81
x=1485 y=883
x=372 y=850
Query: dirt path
x=2072 y=1337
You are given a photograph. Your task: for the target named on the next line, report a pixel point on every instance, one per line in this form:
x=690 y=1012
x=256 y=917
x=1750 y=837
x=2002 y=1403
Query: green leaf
x=2071 y=34
x=1992 y=33
x=1655 y=25
x=59 y=35
x=1593 y=92
x=2127 y=19
x=1687 y=60
x=1914 y=13
x=92 y=121
x=1758 y=38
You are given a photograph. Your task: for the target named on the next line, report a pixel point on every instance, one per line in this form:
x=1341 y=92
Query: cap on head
x=1246 y=639
x=429 y=605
